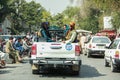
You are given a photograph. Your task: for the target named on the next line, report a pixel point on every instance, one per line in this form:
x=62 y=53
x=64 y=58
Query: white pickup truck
x=112 y=55
x=55 y=55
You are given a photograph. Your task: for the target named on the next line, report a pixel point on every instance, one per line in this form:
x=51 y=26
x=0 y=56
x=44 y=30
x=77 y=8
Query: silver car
x=96 y=45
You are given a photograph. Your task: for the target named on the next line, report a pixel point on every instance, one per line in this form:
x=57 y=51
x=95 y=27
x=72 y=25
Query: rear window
x=100 y=40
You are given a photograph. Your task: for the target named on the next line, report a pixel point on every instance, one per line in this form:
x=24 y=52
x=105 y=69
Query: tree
x=27 y=16
x=112 y=8
x=88 y=15
x=30 y=12
x=5 y=9
x=33 y=14
x=15 y=17
x=71 y=14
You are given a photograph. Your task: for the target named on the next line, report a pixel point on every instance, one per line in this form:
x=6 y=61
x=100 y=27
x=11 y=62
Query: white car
x=96 y=45
x=112 y=55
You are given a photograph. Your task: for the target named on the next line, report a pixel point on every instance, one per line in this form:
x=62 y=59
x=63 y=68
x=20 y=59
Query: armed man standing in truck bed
x=71 y=36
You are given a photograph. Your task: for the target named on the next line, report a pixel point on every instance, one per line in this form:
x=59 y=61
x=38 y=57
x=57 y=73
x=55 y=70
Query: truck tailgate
x=55 y=50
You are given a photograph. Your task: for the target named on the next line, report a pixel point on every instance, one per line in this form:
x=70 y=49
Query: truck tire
x=35 y=71
x=76 y=72
x=106 y=63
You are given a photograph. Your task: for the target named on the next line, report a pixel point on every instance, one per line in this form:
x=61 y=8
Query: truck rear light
x=34 y=49
x=117 y=54
x=90 y=46
x=77 y=50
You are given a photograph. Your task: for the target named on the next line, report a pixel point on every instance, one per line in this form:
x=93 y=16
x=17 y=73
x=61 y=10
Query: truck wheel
x=35 y=71
x=106 y=63
x=75 y=69
x=113 y=67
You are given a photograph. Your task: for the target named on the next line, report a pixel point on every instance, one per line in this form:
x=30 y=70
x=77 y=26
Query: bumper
x=117 y=62
x=97 y=52
x=55 y=62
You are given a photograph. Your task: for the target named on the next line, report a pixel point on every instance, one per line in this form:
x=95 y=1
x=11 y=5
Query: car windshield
x=114 y=44
x=100 y=40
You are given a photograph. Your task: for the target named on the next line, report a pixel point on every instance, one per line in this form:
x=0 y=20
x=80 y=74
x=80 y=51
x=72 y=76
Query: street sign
x=107 y=22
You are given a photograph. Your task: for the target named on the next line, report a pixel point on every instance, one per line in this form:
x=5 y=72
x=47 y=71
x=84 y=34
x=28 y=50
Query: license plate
x=101 y=47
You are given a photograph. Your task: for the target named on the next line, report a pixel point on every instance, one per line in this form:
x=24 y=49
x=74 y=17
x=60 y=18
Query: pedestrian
x=36 y=37
x=14 y=54
x=25 y=44
x=28 y=35
x=18 y=45
x=82 y=42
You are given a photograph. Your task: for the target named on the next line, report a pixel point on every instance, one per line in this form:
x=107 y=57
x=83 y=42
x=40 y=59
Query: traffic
x=43 y=51
x=81 y=41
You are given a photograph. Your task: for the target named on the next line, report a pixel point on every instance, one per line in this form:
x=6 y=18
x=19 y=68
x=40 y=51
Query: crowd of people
x=16 y=48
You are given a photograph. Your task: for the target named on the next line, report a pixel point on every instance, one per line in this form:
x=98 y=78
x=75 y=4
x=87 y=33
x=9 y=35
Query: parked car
x=96 y=45
x=112 y=55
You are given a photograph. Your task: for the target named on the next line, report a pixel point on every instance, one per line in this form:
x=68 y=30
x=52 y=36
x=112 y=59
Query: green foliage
x=27 y=16
x=116 y=20
x=111 y=8
x=86 y=17
x=58 y=20
x=91 y=21
x=66 y=16
x=5 y=9
x=33 y=14
x=92 y=13
x=24 y=16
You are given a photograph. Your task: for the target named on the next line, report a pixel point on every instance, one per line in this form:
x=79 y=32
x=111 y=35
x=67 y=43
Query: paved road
x=91 y=69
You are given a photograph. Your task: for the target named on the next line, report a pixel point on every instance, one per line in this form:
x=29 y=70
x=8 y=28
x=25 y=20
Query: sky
x=54 y=6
